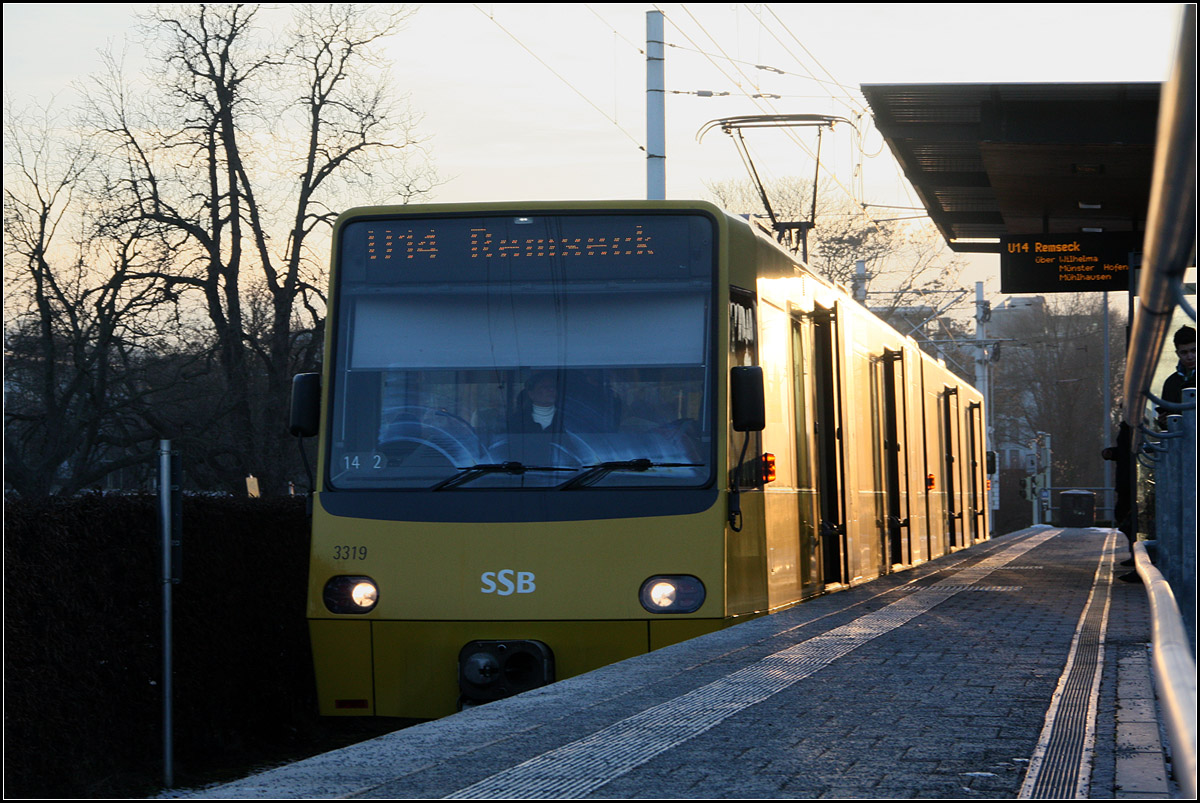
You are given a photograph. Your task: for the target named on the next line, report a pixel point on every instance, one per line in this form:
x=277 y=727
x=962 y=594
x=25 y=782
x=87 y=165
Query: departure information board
x=1067 y=263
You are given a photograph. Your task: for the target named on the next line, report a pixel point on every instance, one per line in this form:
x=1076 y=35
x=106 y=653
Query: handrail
x=1184 y=304
x=1170 y=223
x=1167 y=405
x=1174 y=671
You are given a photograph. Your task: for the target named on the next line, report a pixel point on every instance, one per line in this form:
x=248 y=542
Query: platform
x=1016 y=668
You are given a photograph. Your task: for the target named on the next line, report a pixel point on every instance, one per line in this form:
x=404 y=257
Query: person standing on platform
x=1123 y=509
x=1185 y=372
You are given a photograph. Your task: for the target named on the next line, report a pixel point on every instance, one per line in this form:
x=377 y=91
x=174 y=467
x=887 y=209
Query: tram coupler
x=493 y=670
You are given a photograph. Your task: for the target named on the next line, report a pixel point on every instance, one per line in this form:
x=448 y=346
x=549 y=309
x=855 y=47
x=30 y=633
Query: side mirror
x=747 y=398
x=305 y=418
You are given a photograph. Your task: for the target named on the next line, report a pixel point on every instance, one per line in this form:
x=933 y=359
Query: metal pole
x=1170 y=223
x=656 y=115
x=1048 y=456
x=164 y=508
x=1187 y=531
x=1167 y=499
x=860 y=280
x=1106 y=419
x=982 y=377
x=981 y=363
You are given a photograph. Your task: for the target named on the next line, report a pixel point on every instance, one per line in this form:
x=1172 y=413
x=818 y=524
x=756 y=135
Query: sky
x=547 y=102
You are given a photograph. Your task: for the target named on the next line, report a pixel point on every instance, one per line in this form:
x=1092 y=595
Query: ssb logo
x=507 y=581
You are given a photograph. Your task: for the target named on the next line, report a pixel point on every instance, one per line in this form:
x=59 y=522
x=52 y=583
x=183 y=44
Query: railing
x=1174 y=671
x=1170 y=224
x=1171 y=456
x=1169 y=244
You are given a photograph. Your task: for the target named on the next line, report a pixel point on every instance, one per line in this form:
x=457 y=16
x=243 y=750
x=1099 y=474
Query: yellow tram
x=557 y=435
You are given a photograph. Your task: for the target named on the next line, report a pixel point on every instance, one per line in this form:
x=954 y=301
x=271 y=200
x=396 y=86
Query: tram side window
x=743 y=350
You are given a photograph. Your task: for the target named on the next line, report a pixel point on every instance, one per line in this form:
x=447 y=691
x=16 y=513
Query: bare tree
x=83 y=313
x=238 y=154
x=1050 y=378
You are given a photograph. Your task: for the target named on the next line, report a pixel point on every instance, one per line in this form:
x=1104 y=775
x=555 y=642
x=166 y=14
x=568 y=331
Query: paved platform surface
x=1016 y=668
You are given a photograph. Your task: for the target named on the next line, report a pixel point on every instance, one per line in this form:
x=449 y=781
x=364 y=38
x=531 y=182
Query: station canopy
x=996 y=160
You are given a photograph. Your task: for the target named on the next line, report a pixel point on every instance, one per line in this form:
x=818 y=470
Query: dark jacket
x=1172 y=389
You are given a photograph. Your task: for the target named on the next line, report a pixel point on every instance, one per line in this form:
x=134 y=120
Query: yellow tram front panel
x=517 y=570
x=573 y=586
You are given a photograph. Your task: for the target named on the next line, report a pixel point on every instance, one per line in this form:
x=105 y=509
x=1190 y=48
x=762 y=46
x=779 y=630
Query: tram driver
x=537 y=405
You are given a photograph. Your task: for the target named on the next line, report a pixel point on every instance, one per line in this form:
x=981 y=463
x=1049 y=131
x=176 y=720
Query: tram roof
x=995 y=159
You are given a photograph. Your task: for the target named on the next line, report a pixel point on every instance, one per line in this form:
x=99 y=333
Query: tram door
x=828 y=434
x=954 y=516
x=804 y=395
x=977 y=497
x=897 y=547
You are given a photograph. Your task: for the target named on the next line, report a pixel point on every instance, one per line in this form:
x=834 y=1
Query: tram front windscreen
x=560 y=351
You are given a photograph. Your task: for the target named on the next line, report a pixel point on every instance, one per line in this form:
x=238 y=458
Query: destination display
x=528 y=248
x=1067 y=263
x=394 y=241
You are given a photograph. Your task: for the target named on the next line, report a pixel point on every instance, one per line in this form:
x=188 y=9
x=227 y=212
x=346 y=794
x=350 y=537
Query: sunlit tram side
x=557 y=435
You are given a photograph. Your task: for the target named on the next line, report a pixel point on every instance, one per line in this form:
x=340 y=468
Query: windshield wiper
x=593 y=473
x=475 y=472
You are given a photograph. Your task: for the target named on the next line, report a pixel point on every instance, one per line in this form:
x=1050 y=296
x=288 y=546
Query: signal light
x=929 y=482
x=768 y=468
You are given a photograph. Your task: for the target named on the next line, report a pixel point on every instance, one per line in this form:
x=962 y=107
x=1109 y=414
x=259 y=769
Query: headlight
x=350 y=594
x=672 y=593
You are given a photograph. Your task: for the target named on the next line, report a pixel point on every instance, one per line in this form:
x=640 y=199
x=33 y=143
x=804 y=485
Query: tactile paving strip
x=1061 y=764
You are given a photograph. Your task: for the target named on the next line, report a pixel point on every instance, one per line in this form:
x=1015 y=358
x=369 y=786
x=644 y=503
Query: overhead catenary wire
x=764 y=106
x=740 y=80
x=851 y=100
x=859 y=108
x=641 y=51
x=739 y=84
x=638 y=48
x=764 y=67
x=560 y=77
x=745 y=85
